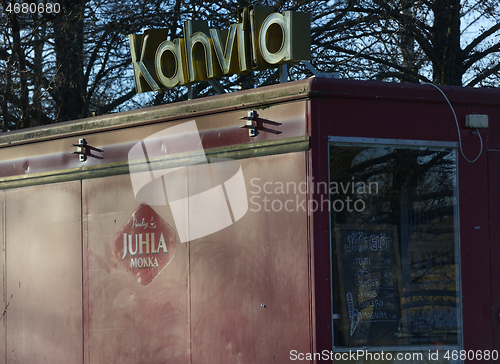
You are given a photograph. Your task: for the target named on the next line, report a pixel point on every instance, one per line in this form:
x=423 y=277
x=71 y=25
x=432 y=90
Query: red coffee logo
x=145 y=244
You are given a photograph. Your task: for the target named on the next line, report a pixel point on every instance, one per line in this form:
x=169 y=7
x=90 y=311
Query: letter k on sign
x=144 y=46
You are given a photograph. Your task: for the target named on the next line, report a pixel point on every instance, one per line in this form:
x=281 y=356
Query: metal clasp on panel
x=252 y=129
x=84 y=150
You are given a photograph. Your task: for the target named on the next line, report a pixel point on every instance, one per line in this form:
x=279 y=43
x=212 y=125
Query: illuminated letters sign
x=145 y=244
x=260 y=40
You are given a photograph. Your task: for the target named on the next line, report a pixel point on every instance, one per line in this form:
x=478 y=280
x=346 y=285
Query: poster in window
x=368 y=264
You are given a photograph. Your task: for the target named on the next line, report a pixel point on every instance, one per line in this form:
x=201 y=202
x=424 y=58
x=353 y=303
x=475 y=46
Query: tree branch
x=107 y=108
x=480 y=38
x=484 y=75
x=474 y=57
x=380 y=61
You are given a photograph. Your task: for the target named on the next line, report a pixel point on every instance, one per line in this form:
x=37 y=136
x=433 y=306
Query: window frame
x=360 y=141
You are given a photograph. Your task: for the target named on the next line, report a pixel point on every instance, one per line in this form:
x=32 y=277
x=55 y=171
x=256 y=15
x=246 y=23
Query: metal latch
x=84 y=150
x=252 y=129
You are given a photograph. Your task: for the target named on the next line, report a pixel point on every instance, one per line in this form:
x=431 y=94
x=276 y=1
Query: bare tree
x=452 y=42
x=76 y=62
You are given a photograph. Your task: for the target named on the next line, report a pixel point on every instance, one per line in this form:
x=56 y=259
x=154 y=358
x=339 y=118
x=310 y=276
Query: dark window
x=394 y=245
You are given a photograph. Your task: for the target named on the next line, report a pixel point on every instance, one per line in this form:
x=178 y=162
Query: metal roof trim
x=260 y=98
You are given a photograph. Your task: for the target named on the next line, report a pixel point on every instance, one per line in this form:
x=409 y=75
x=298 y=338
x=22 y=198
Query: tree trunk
x=68 y=46
x=448 y=65
x=23 y=77
x=406 y=39
x=5 y=108
x=36 y=115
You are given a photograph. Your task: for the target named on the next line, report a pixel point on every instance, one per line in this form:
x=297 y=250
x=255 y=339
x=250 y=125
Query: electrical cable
x=458 y=128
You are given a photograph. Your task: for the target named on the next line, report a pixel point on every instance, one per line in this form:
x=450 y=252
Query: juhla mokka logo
x=145 y=244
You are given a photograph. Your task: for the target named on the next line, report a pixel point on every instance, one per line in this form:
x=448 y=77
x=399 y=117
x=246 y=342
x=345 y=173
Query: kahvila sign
x=261 y=39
